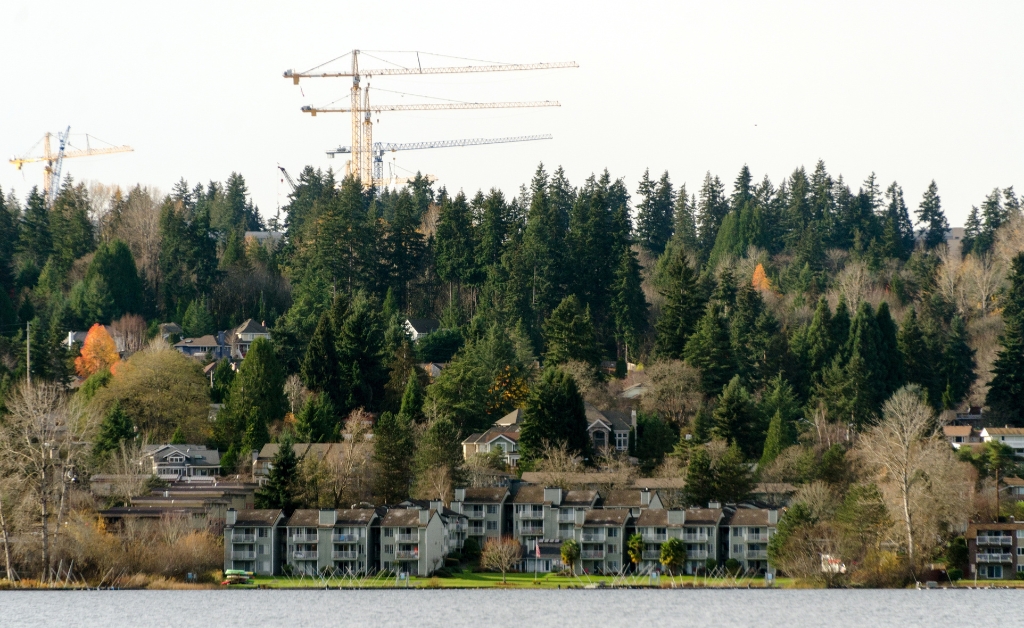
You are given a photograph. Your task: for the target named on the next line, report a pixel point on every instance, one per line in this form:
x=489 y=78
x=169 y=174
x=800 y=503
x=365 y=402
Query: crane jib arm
x=380 y=148
x=507 y=67
x=437 y=107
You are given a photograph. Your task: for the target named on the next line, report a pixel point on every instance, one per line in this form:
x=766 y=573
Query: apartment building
x=413 y=540
x=349 y=540
x=548 y=514
x=746 y=532
x=995 y=550
x=695 y=527
x=252 y=541
x=601 y=534
x=484 y=509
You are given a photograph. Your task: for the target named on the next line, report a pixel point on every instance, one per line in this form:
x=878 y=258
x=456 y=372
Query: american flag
x=536 y=546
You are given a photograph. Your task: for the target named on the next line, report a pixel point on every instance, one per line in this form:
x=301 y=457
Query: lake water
x=519 y=609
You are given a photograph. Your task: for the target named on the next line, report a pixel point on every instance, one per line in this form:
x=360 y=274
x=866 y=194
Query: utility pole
x=28 y=352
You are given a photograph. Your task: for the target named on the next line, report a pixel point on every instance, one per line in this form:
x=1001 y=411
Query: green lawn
x=469 y=580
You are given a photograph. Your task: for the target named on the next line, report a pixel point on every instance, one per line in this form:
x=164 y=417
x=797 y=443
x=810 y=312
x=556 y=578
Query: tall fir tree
x=709 y=349
x=1006 y=389
x=280 y=490
x=116 y=428
x=958 y=365
x=931 y=218
x=699 y=489
x=628 y=304
x=736 y=420
x=321 y=368
x=570 y=333
x=393 y=448
x=682 y=307
x=256 y=399
x=554 y=415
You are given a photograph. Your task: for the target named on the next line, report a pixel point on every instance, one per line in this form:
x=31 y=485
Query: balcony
x=593 y=537
x=303 y=538
x=756 y=554
x=407 y=538
x=531 y=529
x=697 y=555
x=994 y=540
x=474 y=514
x=567 y=517
x=592 y=554
x=532 y=515
x=407 y=555
x=345 y=538
x=476 y=530
x=243 y=555
x=995 y=558
x=651 y=555
x=695 y=538
x=655 y=538
x=756 y=538
x=305 y=555
x=246 y=538
x=344 y=555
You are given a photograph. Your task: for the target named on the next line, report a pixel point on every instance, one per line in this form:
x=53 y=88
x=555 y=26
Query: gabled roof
x=607 y=517
x=355 y=516
x=749 y=517
x=423 y=325
x=305 y=518
x=208 y=340
x=662 y=483
x=251 y=327
x=626 y=498
x=617 y=421
x=404 y=518
x=1004 y=431
x=957 y=430
x=1012 y=481
x=493 y=434
x=194 y=454
x=485 y=495
x=529 y=495
x=579 y=498
x=694 y=516
x=512 y=418
x=318 y=450
x=265 y=517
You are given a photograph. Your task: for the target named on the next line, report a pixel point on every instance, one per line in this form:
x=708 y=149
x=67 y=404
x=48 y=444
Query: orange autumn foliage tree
x=760 y=280
x=98 y=352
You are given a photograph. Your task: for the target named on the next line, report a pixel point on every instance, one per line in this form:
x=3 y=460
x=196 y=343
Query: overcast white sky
x=910 y=90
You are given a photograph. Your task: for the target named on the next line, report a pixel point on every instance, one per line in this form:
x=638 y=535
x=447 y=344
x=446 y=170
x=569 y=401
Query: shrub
x=732 y=566
x=955 y=573
x=470 y=550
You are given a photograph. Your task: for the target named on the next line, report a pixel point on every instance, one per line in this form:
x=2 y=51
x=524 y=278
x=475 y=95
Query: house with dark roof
x=696 y=527
x=548 y=514
x=241 y=338
x=746 y=532
x=419 y=327
x=264 y=460
x=180 y=462
x=252 y=541
x=211 y=345
x=505 y=439
x=609 y=430
x=484 y=509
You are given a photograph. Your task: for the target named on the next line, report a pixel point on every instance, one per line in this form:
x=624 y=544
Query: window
x=1020 y=551
x=1020 y=533
x=598 y=438
x=622 y=441
x=611 y=549
x=389 y=549
x=1020 y=568
x=613 y=533
x=262 y=533
x=389 y=532
x=737 y=549
x=737 y=531
x=492 y=509
x=492 y=525
x=261 y=549
x=265 y=565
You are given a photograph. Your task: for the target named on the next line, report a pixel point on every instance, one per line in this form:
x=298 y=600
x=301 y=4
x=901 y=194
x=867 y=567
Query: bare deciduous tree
x=983 y=276
x=138 y=225
x=131 y=328
x=673 y=391
x=42 y=437
x=501 y=555
x=854 y=281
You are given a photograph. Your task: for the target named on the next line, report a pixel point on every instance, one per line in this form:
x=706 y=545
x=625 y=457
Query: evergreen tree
x=711 y=210
x=957 y=366
x=628 y=302
x=543 y=248
x=570 y=333
x=115 y=429
x=453 y=242
x=1006 y=389
x=440 y=447
x=841 y=327
x=972 y=229
x=178 y=437
x=700 y=488
x=775 y=441
x=930 y=216
x=655 y=213
x=920 y=364
x=360 y=352
x=317 y=422
x=70 y=228
x=113 y=272
x=256 y=398
x=392 y=453
x=684 y=223
x=34 y=239
x=682 y=307
x=197 y=320
x=735 y=418
x=821 y=347
x=554 y=414
x=709 y=349
x=280 y=489
x=733 y=479
x=320 y=368
x=223 y=375
x=897 y=229
x=889 y=358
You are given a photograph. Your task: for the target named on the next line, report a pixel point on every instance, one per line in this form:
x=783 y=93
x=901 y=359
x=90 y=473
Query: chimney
x=328 y=516
x=437 y=505
x=632 y=419
x=460 y=494
x=232 y=517
x=581 y=517
x=424 y=516
x=676 y=517
x=553 y=495
x=773 y=517
x=645 y=497
x=714 y=505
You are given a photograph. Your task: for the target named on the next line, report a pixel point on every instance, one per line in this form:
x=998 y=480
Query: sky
x=912 y=91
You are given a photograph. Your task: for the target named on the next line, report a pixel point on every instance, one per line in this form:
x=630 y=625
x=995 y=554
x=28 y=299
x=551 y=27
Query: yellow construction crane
x=54 y=160
x=362 y=128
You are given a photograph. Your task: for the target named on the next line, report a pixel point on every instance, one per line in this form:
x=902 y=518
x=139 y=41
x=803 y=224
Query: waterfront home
x=252 y=541
x=697 y=528
x=332 y=541
x=601 y=534
x=179 y=462
x=995 y=551
x=548 y=513
x=484 y=509
x=414 y=540
x=749 y=530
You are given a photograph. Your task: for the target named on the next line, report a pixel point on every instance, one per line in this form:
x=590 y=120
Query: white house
x=1012 y=436
x=419 y=327
x=183 y=462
